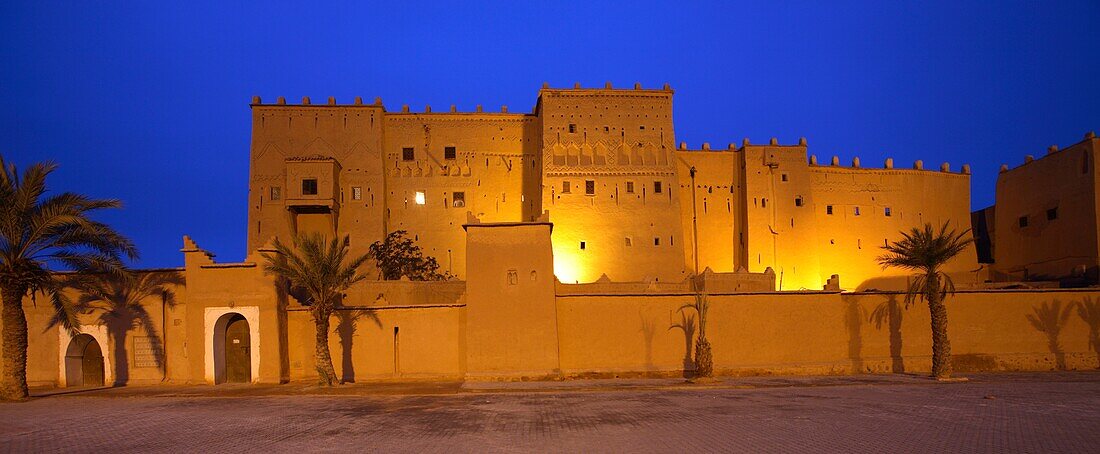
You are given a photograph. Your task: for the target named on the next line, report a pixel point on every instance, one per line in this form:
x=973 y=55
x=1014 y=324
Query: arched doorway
x=84 y=362
x=232 y=350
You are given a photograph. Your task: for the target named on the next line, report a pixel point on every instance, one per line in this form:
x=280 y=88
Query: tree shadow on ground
x=1049 y=318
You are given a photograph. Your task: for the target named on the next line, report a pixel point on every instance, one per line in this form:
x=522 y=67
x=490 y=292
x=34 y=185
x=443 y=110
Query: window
x=449 y=153
x=606 y=129
x=828 y=209
x=582 y=245
x=276 y=193
x=857 y=211
x=641 y=127
x=309 y=186
x=572 y=128
x=589 y=187
x=565 y=187
x=1052 y=214
x=629 y=187
x=887 y=212
x=356 y=193
x=459 y=200
x=1023 y=221
x=656 y=187
x=408 y=154
x=763 y=203
x=656 y=241
x=798 y=201
x=783 y=177
x=628 y=242
x=419 y=197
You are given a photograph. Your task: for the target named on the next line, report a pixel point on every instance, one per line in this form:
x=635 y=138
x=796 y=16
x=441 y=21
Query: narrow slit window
x=888 y=212
x=828 y=209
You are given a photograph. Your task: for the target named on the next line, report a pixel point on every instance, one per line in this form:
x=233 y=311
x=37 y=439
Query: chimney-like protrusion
x=378 y=100
x=358 y=100
x=1052 y=149
x=545 y=85
x=774 y=141
x=683 y=145
x=918 y=164
x=835 y=161
x=966 y=169
x=576 y=85
x=305 y=100
x=945 y=167
x=607 y=85
x=889 y=163
x=479 y=109
x=855 y=162
x=1028 y=159
x=745 y=142
x=732 y=146
x=428 y=108
x=802 y=141
x=504 y=109
x=637 y=85
x=1004 y=167
x=404 y=107
x=1090 y=135
x=706 y=145
x=813 y=159
x=332 y=100
x=667 y=87
x=454 y=108
x=255 y=100
x=280 y=100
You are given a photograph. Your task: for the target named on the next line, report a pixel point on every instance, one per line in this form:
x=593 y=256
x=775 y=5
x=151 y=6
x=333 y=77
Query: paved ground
x=991 y=413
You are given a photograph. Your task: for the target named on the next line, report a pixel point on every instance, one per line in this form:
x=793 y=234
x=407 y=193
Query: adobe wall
x=823 y=333
x=718 y=207
x=1063 y=181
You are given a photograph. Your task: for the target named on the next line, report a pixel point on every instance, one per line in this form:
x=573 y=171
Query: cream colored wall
x=1065 y=180
x=620 y=137
x=848 y=245
x=719 y=199
x=496 y=166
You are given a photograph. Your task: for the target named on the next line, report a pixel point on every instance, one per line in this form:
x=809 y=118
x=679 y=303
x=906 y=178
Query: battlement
x=607 y=87
x=1053 y=149
x=888 y=164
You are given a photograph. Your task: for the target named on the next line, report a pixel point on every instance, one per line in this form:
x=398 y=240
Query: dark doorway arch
x=232 y=350
x=84 y=364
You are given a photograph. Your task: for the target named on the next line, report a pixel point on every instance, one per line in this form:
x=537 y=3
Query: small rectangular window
x=459 y=199
x=408 y=154
x=449 y=153
x=1023 y=221
x=887 y=212
x=309 y=186
x=828 y=209
x=656 y=241
x=276 y=193
x=589 y=187
x=419 y=197
x=1052 y=214
x=582 y=245
x=783 y=176
x=763 y=203
x=656 y=187
x=572 y=128
x=798 y=201
x=629 y=187
x=628 y=242
x=565 y=187
x=356 y=193
x=641 y=127
x=856 y=211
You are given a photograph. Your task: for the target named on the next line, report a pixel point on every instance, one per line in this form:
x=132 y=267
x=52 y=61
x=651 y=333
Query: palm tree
x=316 y=269
x=36 y=232
x=925 y=251
x=119 y=302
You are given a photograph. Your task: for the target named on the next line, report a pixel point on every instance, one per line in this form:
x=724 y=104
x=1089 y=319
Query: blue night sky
x=148 y=102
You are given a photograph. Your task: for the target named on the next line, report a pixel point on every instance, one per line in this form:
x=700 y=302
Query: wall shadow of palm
x=1089 y=311
x=346 y=318
x=1049 y=318
x=687 y=325
x=889 y=313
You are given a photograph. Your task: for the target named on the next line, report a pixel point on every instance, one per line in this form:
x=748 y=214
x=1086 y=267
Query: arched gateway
x=84 y=365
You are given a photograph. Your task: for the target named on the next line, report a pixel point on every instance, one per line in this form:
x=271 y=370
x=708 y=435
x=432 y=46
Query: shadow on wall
x=853 y=320
x=346 y=319
x=119 y=303
x=1049 y=318
x=889 y=313
x=687 y=325
x=1089 y=311
x=649 y=329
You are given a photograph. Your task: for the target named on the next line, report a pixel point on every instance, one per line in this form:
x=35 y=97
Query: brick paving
x=992 y=413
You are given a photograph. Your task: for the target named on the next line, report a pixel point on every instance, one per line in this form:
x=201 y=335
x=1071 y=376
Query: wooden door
x=238 y=354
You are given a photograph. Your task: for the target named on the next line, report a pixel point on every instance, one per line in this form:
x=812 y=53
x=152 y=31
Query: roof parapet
x=889 y=164
x=855 y=162
x=918 y=164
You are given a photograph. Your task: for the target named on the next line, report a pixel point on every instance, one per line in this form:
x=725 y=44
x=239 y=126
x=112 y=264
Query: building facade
x=626 y=202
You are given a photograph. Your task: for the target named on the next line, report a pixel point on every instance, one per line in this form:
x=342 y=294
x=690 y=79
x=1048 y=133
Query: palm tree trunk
x=324 y=361
x=13 y=385
x=941 y=345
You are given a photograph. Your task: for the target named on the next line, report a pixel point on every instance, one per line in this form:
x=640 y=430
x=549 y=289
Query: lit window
x=1023 y=221
x=828 y=209
x=276 y=193
x=657 y=187
x=589 y=187
x=449 y=153
x=419 y=197
x=629 y=187
x=459 y=200
x=408 y=154
x=887 y=212
x=356 y=193
x=1052 y=214
x=565 y=187
x=309 y=186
